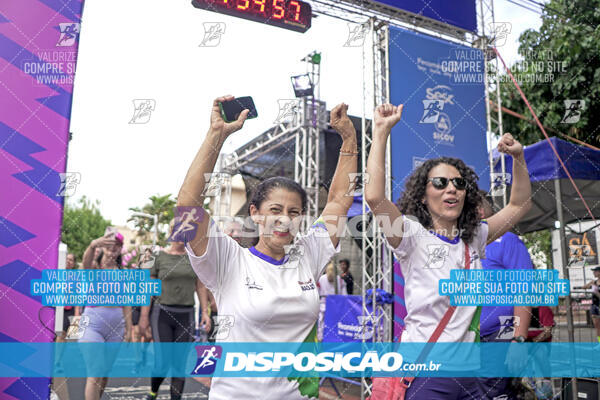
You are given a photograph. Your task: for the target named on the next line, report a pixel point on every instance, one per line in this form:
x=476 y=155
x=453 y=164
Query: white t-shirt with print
x=425 y=258
x=270 y=300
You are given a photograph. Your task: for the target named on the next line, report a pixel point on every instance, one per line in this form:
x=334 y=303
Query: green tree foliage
x=82 y=223
x=569 y=40
x=561 y=61
x=539 y=245
x=159 y=205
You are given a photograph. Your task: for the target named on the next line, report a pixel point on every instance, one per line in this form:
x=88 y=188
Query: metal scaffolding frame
x=377 y=260
x=488 y=37
x=376 y=257
x=313 y=119
x=306 y=161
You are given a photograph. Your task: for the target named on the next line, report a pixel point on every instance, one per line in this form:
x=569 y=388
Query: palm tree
x=159 y=205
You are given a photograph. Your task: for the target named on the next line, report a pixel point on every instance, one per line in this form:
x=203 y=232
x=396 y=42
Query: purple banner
x=38 y=53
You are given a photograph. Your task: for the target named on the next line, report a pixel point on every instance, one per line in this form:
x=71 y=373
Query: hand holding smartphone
x=230 y=110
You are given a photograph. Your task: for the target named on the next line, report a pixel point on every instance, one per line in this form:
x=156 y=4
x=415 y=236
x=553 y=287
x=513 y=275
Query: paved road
x=127 y=389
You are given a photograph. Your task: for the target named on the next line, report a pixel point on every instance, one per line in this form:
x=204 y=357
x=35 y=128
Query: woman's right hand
x=341 y=123
x=107 y=240
x=218 y=125
x=143 y=327
x=385 y=117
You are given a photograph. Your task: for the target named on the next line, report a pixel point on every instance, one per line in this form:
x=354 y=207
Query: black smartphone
x=230 y=110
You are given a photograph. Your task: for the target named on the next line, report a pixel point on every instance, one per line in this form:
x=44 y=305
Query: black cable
x=525 y=7
x=537 y=3
x=582 y=232
x=42 y=322
x=546 y=6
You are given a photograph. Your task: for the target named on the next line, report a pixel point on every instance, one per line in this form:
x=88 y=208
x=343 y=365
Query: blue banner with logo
x=300 y=359
x=343 y=321
x=460 y=13
x=442 y=88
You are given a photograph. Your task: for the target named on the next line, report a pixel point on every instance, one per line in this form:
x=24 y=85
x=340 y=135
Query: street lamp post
x=155 y=219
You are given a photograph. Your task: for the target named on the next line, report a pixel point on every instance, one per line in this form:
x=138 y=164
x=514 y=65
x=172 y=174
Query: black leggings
x=171 y=324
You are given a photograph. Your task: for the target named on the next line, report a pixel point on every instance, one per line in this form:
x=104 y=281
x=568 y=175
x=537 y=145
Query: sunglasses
x=441 y=182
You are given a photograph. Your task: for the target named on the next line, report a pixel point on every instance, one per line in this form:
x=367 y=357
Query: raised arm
x=338 y=200
x=586 y=286
x=520 y=194
x=88 y=255
x=386 y=116
x=191 y=192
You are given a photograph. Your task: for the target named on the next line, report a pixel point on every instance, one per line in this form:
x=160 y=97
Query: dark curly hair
x=410 y=203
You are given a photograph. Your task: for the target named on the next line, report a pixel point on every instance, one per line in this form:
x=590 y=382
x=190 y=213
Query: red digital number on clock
x=290 y=14
x=278 y=9
x=297 y=12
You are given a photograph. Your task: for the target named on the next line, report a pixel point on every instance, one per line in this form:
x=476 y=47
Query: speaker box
x=588 y=389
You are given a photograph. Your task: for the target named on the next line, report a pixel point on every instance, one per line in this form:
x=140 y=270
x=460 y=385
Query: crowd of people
x=276 y=295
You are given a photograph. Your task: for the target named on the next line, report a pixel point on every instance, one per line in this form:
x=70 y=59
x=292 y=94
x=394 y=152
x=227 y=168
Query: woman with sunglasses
x=429 y=230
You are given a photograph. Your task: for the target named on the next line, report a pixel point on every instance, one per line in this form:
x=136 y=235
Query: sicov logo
x=207 y=359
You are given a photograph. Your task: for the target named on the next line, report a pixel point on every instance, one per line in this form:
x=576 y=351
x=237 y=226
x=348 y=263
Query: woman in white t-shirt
x=267 y=293
x=326 y=285
x=427 y=231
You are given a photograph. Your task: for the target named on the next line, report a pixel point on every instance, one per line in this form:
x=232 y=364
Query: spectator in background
x=68 y=314
x=540 y=330
x=346 y=275
x=172 y=316
x=106 y=323
x=69 y=310
x=146 y=260
x=326 y=285
x=542 y=324
x=503 y=323
x=595 y=310
x=71 y=261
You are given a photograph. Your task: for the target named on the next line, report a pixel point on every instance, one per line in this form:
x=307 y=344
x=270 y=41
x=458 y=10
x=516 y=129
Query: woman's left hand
x=510 y=145
x=340 y=121
x=205 y=321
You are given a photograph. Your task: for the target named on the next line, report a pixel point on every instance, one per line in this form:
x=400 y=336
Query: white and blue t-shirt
x=270 y=301
x=426 y=257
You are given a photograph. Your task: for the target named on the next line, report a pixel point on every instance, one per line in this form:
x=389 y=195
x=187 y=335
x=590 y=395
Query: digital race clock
x=289 y=14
